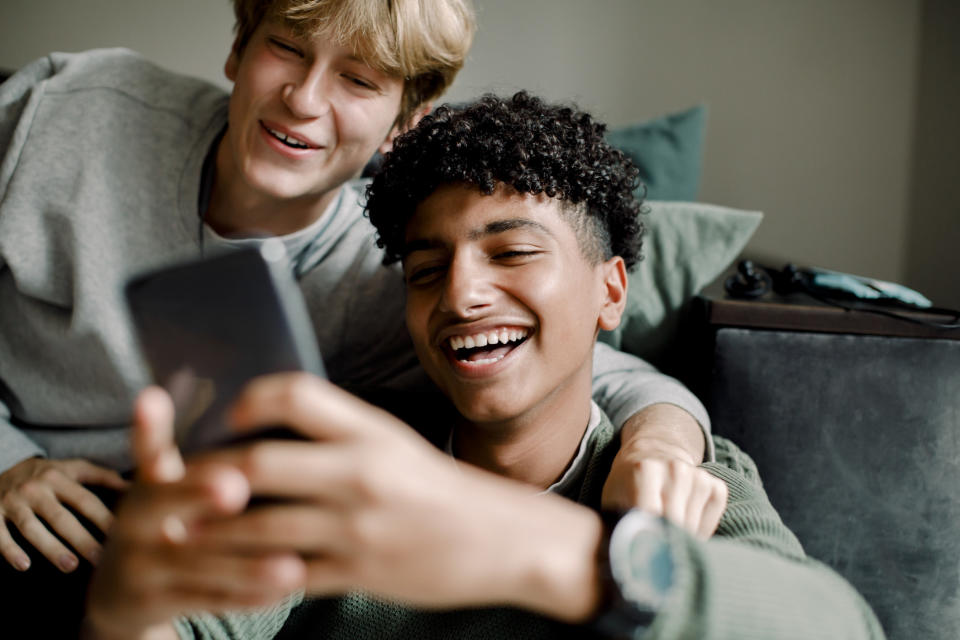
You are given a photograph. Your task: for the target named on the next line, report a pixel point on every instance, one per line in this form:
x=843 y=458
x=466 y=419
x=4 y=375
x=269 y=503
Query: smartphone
x=208 y=326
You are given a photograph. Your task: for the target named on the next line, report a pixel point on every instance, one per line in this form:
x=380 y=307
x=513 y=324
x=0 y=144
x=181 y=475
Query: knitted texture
x=751 y=581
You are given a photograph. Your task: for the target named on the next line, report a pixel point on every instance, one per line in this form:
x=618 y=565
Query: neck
x=535 y=448
x=237 y=209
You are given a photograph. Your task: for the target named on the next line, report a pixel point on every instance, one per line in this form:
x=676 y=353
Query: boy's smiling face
x=502 y=304
x=305 y=114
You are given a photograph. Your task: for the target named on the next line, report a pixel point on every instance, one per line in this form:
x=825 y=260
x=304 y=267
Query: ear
x=615 y=293
x=233 y=63
x=411 y=122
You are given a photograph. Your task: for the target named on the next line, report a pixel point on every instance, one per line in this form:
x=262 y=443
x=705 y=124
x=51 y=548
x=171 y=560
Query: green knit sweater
x=751 y=580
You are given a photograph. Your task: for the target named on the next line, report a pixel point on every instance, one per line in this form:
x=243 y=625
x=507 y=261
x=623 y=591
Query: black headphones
x=753 y=281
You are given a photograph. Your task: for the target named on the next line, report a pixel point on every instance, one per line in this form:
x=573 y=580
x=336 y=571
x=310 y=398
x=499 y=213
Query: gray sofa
x=857 y=438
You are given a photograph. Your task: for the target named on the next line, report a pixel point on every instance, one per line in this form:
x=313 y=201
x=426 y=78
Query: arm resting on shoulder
x=753 y=580
x=624 y=386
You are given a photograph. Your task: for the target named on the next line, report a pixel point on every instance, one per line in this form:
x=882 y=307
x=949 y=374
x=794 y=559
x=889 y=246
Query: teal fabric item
x=686 y=246
x=668 y=151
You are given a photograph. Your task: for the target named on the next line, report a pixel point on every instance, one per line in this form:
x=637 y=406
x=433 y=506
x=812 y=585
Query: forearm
x=734 y=591
x=624 y=386
x=557 y=560
x=664 y=431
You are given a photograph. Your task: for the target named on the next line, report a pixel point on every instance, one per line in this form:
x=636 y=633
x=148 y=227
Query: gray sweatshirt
x=101 y=157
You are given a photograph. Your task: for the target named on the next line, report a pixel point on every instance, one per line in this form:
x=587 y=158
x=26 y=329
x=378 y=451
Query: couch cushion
x=686 y=246
x=857 y=439
x=668 y=151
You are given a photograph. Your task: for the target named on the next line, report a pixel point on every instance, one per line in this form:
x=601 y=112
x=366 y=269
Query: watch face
x=640 y=559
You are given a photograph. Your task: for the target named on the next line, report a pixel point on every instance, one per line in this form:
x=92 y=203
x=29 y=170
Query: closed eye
x=426 y=275
x=515 y=255
x=361 y=82
x=286 y=47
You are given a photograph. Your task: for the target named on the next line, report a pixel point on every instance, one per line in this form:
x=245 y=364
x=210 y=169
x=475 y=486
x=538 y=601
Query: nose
x=308 y=94
x=467 y=288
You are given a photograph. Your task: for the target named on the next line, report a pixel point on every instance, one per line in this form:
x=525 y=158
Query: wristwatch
x=637 y=570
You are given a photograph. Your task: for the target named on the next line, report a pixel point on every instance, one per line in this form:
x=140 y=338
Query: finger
x=86 y=472
x=160 y=585
x=651 y=479
x=66 y=525
x=677 y=493
x=305 y=528
x=714 y=509
x=293 y=469
x=84 y=501
x=34 y=531
x=180 y=602
x=155 y=452
x=184 y=569
x=699 y=495
x=11 y=551
x=306 y=403
x=155 y=512
x=620 y=490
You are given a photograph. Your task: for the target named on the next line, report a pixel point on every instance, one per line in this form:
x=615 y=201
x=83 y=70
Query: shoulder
x=120 y=76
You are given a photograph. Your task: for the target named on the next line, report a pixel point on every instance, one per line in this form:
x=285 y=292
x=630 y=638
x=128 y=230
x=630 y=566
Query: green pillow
x=668 y=151
x=685 y=247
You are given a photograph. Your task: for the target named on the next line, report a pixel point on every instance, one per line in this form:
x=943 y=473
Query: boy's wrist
x=637 y=569
x=559 y=575
x=665 y=430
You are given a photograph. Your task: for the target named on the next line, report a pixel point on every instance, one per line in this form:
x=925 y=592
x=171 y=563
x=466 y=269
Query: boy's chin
x=480 y=410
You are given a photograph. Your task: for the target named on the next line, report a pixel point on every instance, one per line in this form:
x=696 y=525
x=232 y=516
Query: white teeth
x=487 y=360
x=290 y=140
x=502 y=336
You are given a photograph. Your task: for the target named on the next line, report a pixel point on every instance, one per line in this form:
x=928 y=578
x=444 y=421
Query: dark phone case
x=209 y=326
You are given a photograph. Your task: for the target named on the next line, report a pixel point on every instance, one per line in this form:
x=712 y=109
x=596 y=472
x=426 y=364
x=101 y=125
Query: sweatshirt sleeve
x=752 y=580
x=14 y=445
x=624 y=384
x=257 y=625
x=18 y=99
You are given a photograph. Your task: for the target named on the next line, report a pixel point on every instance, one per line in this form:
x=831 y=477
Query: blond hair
x=424 y=42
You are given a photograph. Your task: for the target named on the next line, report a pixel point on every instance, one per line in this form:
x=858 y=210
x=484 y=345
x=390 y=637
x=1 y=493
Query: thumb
x=307 y=404
x=155 y=454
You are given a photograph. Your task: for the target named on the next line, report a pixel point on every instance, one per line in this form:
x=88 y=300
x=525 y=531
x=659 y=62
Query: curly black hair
x=523 y=143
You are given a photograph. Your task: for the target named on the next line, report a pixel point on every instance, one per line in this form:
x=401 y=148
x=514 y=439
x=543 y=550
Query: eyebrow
x=490 y=229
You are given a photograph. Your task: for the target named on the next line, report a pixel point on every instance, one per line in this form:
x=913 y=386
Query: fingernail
x=22 y=563
x=68 y=563
x=173 y=529
x=94 y=556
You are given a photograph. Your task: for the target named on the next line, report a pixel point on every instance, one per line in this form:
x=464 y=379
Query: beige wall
x=811 y=104
x=192 y=36
x=933 y=254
